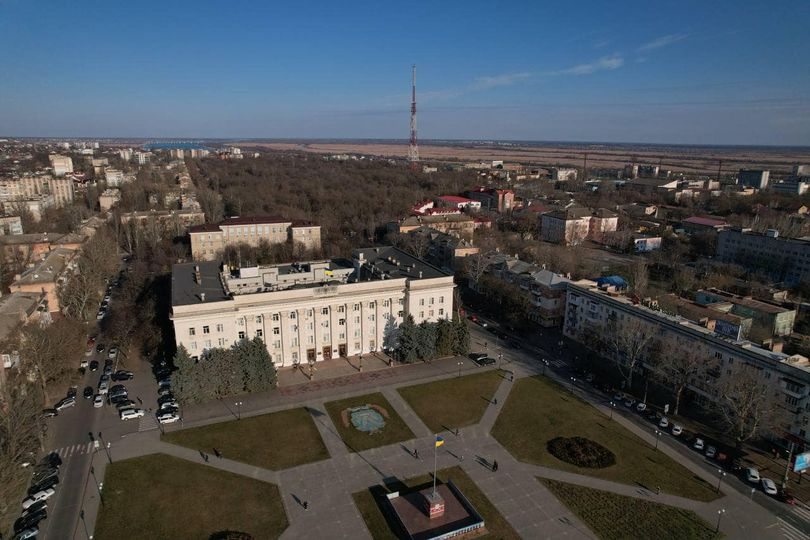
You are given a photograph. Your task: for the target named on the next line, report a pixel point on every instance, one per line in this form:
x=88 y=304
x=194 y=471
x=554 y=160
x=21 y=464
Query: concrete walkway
x=514 y=490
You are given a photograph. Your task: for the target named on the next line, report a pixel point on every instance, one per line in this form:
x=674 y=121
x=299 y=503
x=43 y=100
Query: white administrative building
x=309 y=311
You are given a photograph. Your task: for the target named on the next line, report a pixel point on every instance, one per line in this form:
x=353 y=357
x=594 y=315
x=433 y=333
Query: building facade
x=61 y=165
x=563 y=174
x=755 y=178
x=58 y=191
x=308 y=312
x=574 y=225
x=593 y=313
x=784 y=259
x=208 y=241
x=499 y=200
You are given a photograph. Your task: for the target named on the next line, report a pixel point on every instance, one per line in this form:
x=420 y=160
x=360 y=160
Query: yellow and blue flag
x=439 y=441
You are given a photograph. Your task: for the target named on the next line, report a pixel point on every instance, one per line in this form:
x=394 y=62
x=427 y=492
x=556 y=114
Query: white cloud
x=662 y=41
x=508 y=79
x=606 y=63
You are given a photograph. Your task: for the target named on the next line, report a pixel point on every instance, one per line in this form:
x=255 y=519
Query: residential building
x=45 y=277
x=767 y=320
x=22 y=247
x=755 y=178
x=563 y=174
x=498 y=200
x=797 y=184
x=17 y=309
x=783 y=259
x=199 y=153
x=592 y=314
x=177 y=153
x=648 y=171
x=441 y=249
x=456 y=224
x=801 y=170
x=142 y=158
x=61 y=165
x=208 y=241
x=114 y=177
x=310 y=311
x=630 y=171
x=648 y=186
x=178 y=222
x=125 y=154
x=11 y=225
x=45 y=189
x=576 y=224
x=453 y=201
x=698 y=224
x=109 y=198
x=99 y=164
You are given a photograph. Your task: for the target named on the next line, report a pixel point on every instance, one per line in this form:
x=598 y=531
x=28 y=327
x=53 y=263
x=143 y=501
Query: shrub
x=581 y=452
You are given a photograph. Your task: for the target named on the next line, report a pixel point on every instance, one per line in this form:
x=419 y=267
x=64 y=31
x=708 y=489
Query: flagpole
x=435 y=453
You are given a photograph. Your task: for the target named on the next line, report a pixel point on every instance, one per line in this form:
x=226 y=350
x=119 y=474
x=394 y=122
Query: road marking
x=74 y=450
x=803 y=513
x=791 y=532
x=147 y=423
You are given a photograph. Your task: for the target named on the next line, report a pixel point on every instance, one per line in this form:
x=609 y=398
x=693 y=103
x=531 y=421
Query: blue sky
x=698 y=72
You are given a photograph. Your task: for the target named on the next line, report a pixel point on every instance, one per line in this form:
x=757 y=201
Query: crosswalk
x=147 y=422
x=74 y=450
x=791 y=532
x=557 y=364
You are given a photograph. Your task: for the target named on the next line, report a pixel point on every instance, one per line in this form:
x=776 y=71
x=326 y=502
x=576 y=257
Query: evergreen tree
x=257 y=368
x=186 y=378
x=444 y=338
x=408 y=340
x=461 y=337
x=426 y=341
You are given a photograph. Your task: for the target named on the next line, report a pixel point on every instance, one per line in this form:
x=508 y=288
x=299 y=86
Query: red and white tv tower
x=413 y=149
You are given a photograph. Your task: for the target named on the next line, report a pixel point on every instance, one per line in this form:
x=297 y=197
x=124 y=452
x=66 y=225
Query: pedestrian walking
x=140 y=401
x=306 y=505
x=658 y=490
x=216 y=453
x=205 y=457
x=495 y=401
x=202 y=455
x=416 y=453
x=495 y=466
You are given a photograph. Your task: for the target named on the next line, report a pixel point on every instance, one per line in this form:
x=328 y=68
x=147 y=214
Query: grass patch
x=395 y=429
x=616 y=517
x=160 y=496
x=538 y=410
x=369 y=502
x=452 y=403
x=295 y=439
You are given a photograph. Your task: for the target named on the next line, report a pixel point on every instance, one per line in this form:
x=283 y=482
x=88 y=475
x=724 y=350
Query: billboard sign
x=802 y=462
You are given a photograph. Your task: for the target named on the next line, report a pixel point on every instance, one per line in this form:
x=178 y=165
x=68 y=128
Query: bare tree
x=476 y=265
x=747 y=405
x=630 y=341
x=639 y=278
x=680 y=367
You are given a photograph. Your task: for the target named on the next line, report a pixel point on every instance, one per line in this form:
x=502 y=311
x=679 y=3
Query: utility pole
x=413 y=148
x=719 y=170
x=787 y=467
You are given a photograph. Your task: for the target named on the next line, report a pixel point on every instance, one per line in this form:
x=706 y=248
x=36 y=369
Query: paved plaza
x=327 y=485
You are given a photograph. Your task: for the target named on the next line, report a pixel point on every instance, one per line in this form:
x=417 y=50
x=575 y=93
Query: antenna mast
x=413 y=149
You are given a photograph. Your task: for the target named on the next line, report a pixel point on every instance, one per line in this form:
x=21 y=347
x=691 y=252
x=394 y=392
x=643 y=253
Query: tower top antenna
x=413 y=147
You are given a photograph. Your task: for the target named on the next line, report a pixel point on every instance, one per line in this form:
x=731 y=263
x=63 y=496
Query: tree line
x=430 y=340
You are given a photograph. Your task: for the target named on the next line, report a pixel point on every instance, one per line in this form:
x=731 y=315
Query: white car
x=168 y=418
x=103 y=387
x=43 y=495
x=698 y=444
x=752 y=475
x=711 y=452
x=98 y=401
x=100 y=315
x=663 y=423
x=128 y=414
x=641 y=407
x=112 y=353
x=769 y=487
x=676 y=429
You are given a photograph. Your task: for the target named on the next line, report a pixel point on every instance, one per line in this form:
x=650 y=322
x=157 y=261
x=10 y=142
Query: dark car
x=486 y=361
x=492 y=330
x=88 y=392
x=72 y=392
x=30 y=520
x=515 y=345
x=122 y=375
x=108 y=370
x=47 y=413
x=44 y=475
x=118 y=388
x=165 y=399
x=34 y=508
x=52 y=460
x=94 y=365
x=100 y=347
x=49 y=482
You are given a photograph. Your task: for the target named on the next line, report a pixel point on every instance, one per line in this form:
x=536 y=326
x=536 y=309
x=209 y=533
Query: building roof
x=455 y=199
x=398 y=264
x=34 y=238
x=605 y=213
x=49 y=269
x=185 y=288
x=253 y=220
x=652 y=182
x=549 y=278
x=706 y=221
x=15 y=308
x=573 y=212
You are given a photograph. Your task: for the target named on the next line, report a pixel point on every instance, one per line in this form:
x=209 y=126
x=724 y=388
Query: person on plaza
x=306 y=505
x=416 y=453
x=495 y=466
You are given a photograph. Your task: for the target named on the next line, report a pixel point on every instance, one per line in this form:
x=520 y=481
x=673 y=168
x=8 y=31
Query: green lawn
x=160 y=496
x=538 y=410
x=452 y=403
x=272 y=441
x=395 y=429
x=368 y=503
x=616 y=517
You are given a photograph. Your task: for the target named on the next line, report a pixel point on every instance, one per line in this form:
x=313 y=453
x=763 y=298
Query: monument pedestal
x=434 y=504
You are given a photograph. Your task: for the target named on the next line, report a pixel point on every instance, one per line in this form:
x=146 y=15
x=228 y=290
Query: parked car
x=104 y=378
x=629 y=402
x=769 y=487
x=36 y=497
x=87 y=392
x=51 y=460
x=165 y=399
x=47 y=413
x=123 y=403
x=618 y=396
x=786 y=497
x=122 y=375
x=26 y=534
x=98 y=401
x=165 y=391
x=663 y=423
x=112 y=353
x=752 y=475
x=94 y=365
x=101 y=314
x=485 y=361
x=168 y=418
x=30 y=520
x=676 y=429
x=44 y=476
x=48 y=483
x=128 y=414
x=36 y=507
x=699 y=444
x=641 y=407
x=711 y=451
x=100 y=348
x=64 y=403
x=108 y=370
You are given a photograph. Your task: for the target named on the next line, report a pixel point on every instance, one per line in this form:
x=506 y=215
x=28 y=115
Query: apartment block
x=46 y=276
x=454 y=201
x=61 y=165
x=563 y=174
x=310 y=311
x=783 y=259
x=574 y=225
x=35 y=187
x=592 y=314
x=498 y=200
x=114 y=177
x=208 y=241
x=755 y=178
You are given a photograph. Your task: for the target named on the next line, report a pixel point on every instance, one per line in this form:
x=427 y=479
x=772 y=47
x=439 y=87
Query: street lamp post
x=361 y=362
x=500 y=359
x=98 y=486
x=573 y=380
x=612 y=408
x=657 y=437
x=461 y=363
x=752 y=493
x=106 y=447
x=545 y=365
x=720 y=475
x=238 y=410
x=719 y=515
